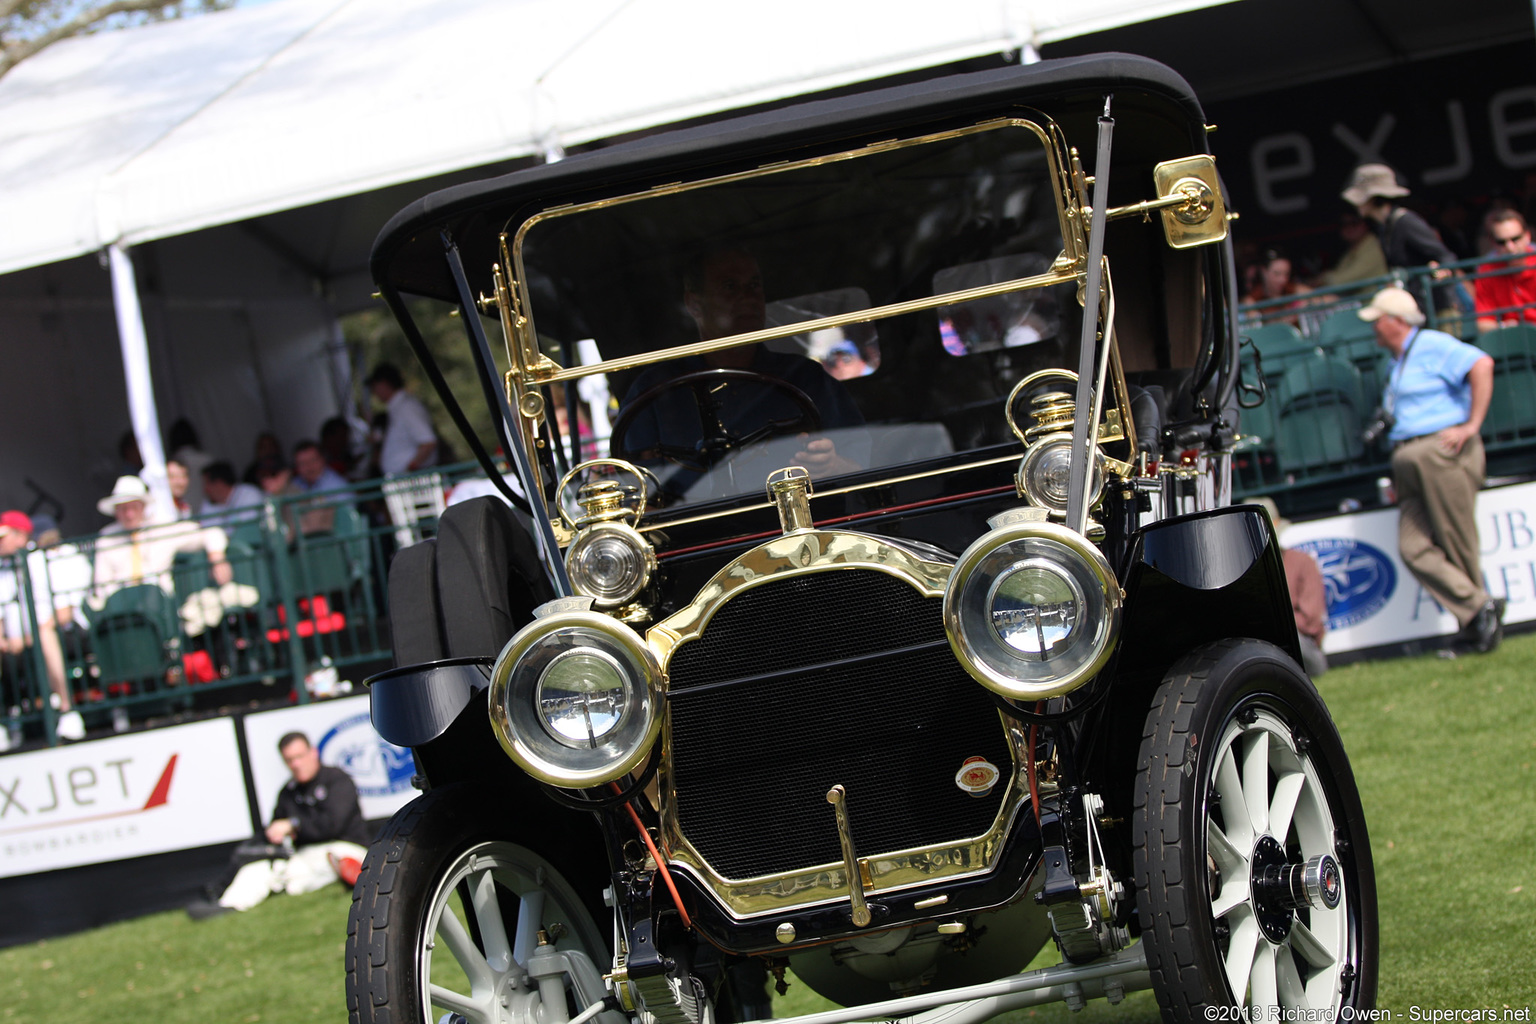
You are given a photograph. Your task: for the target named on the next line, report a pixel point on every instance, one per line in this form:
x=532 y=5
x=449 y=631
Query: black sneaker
x=1488 y=627
x=201 y=910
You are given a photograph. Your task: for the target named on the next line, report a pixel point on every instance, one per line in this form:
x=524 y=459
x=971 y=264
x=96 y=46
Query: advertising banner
x=1372 y=598
x=342 y=731
x=123 y=797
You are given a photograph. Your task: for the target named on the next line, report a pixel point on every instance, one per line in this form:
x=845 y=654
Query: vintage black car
x=900 y=625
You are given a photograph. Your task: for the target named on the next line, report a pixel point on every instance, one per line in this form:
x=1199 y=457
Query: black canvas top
x=1153 y=107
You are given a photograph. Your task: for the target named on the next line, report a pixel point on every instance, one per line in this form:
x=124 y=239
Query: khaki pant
x=1437 y=524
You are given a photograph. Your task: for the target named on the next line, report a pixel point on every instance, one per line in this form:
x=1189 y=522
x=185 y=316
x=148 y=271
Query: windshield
x=837 y=313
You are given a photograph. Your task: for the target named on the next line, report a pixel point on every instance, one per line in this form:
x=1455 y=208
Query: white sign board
x=345 y=735
x=1372 y=598
x=127 y=796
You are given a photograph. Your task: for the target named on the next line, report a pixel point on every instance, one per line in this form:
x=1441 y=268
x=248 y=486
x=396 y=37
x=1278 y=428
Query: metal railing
x=1324 y=374
x=304 y=609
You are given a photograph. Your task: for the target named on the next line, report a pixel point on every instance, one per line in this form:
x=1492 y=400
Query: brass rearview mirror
x=1202 y=218
x=1189 y=199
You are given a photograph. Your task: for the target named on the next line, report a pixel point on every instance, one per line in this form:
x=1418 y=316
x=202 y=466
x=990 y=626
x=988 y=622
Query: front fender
x=1203 y=577
x=414 y=705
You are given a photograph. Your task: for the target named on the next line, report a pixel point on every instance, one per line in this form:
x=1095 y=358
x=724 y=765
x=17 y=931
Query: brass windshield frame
x=1066 y=269
x=531 y=369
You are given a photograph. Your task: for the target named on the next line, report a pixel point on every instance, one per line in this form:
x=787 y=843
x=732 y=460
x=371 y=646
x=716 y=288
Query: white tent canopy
x=248 y=157
x=140 y=134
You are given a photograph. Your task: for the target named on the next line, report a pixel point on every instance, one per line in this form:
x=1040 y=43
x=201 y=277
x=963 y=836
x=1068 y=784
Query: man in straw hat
x=1406 y=238
x=1436 y=395
x=139 y=550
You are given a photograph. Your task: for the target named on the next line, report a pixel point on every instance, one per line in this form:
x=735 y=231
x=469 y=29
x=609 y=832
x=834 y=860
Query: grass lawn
x=280 y=963
x=1443 y=752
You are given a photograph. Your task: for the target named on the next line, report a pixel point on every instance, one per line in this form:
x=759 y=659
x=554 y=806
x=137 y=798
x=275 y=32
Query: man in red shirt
x=1506 y=296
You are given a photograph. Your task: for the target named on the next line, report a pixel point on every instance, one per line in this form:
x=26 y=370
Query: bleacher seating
x=1512 y=411
x=1320 y=416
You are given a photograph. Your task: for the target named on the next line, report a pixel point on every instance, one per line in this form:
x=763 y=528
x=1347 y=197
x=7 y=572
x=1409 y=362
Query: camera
x=1381 y=422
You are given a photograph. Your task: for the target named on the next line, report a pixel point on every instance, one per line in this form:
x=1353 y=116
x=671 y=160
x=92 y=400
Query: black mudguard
x=1202 y=577
x=1188 y=581
x=414 y=705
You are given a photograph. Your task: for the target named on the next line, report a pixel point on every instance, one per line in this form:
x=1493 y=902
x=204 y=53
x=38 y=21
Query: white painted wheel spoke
x=493 y=932
x=1310 y=947
x=459 y=1003
x=463 y=948
x=1262 y=984
x=1287 y=790
x=1256 y=780
x=530 y=918
x=1288 y=980
x=1234 y=808
x=1228 y=856
x=1234 y=894
x=1241 y=947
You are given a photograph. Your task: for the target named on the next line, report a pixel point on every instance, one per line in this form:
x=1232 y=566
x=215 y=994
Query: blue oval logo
x=1359 y=578
x=378 y=768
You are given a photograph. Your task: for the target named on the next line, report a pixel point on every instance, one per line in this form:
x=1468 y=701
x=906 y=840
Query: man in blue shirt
x=1438 y=393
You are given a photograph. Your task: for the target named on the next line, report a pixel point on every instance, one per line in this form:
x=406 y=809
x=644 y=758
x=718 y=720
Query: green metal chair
x=249 y=567
x=330 y=575
x=189 y=574
x=1320 y=418
x=333 y=562
x=1345 y=336
x=1512 y=411
x=1344 y=328
x=132 y=636
x=1277 y=340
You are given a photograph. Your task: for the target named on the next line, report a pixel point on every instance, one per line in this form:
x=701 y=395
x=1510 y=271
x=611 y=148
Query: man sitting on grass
x=317 y=836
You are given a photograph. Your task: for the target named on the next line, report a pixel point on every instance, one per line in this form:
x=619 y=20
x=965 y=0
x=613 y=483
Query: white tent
x=180 y=130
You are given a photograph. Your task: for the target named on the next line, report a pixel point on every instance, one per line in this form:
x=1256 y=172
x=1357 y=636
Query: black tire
x=442 y=843
x=1212 y=938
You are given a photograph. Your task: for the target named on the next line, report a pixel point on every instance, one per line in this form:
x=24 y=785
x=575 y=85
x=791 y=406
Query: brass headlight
x=1046 y=469
x=1032 y=610
x=610 y=563
x=576 y=698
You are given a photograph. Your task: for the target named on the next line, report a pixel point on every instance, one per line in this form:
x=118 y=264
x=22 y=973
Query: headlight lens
x=610 y=563
x=1032 y=610
x=582 y=696
x=576 y=699
x=1045 y=473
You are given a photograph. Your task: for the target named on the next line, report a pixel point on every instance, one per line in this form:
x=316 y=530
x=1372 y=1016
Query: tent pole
x=141 y=389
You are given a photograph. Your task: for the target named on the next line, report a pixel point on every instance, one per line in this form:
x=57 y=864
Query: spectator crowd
x=137 y=563
x=1380 y=234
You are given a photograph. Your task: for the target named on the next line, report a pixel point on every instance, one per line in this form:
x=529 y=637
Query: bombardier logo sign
x=128 y=796
x=1374 y=601
x=80 y=778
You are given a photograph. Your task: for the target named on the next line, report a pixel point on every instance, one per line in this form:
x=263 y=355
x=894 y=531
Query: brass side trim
x=830 y=883
x=795 y=554
x=884 y=481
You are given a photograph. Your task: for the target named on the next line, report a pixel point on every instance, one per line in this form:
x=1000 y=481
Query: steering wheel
x=709 y=395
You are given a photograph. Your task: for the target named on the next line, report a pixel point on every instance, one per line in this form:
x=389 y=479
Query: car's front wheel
x=1253 y=868
x=447 y=914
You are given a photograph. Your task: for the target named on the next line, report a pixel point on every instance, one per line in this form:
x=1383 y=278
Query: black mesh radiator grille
x=835 y=677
